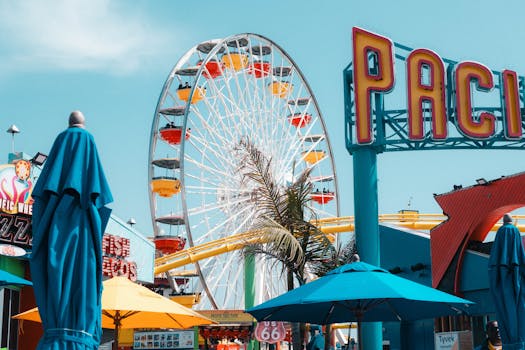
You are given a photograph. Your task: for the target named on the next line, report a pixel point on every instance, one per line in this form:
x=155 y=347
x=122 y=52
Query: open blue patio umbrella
x=8 y=279
x=507 y=284
x=69 y=219
x=359 y=292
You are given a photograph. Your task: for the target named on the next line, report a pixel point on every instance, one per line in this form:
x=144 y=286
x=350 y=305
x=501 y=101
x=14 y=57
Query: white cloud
x=96 y=35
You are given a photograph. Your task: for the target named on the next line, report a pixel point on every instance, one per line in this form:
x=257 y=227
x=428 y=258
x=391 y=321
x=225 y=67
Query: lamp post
x=13 y=130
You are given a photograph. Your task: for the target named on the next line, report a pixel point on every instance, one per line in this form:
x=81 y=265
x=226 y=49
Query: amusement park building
x=406 y=253
x=125 y=252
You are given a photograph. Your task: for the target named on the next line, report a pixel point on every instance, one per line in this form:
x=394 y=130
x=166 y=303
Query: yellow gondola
x=198 y=95
x=280 y=88
x=165 y=186
x=235 y=61
x=312 y=157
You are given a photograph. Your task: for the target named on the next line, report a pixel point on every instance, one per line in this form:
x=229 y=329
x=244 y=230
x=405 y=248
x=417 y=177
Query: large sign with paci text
x=438 y=93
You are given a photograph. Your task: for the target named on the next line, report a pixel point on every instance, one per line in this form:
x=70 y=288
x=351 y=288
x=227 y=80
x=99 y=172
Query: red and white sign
x=270 y=331
x=115 y=250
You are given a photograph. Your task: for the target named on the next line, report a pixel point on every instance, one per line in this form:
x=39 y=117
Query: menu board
x=163 y=340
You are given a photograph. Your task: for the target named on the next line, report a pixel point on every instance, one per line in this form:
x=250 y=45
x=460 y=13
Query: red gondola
x=172 y=134
x=260 y=69
x=213 y=69
x=300 y=120
x=169 y=244
x=322 y=197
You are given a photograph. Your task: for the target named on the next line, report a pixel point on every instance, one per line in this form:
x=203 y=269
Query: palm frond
x=255 y=166
x=340 y=255
x=282 y=244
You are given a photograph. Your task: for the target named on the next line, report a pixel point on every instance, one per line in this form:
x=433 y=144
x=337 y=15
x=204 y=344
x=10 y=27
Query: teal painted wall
x=12 y=265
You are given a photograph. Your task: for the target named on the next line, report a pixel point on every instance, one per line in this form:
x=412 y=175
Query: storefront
x=411 y=259
x=233 y=331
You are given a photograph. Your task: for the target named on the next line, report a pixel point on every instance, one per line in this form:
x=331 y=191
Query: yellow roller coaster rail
x=411 y=220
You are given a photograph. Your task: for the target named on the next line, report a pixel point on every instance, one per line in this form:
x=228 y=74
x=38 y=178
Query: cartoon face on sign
x=23 y=170
x=15 y=186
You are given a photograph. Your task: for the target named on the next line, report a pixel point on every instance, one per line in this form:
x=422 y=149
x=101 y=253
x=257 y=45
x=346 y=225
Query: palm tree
x=337 y=256
x=296 y=243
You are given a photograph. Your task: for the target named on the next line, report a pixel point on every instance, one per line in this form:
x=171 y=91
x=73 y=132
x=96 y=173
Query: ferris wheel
x=219 y=93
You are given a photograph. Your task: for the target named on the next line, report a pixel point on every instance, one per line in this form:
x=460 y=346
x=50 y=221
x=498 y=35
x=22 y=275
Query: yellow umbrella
x=128 y=305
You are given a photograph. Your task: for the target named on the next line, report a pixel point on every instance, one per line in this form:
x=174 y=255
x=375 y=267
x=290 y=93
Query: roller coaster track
x=329 y=226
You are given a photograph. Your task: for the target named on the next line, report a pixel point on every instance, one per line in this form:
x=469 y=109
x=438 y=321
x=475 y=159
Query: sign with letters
x=438 y=94
x=16 y=204
x=270 y=332
x=115 y=251
x=459 y=340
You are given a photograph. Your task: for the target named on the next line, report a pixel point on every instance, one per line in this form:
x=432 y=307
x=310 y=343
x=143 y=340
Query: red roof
x=471 y=212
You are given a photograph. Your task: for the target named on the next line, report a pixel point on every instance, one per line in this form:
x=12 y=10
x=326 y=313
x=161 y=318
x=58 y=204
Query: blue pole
x=367 y=228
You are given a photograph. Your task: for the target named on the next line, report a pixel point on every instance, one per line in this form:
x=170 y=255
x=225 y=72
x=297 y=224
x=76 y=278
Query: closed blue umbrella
x=359 y=292
x=8 y=279
x=507 y=284
x=69 y=219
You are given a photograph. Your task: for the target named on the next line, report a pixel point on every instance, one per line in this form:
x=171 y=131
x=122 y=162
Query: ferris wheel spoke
x=213 y=130
x=194 y=183
x=322 y=213
x=223 y=229
x=226 y=100
x=199 y=189
x=215 y=108
x=209 y=154
x=242 y=105
x=236 y=274
x=246 y=92
x=239 y=196
x=206 y=147
x=213 y=116
x=211 y=207
x=216 y=171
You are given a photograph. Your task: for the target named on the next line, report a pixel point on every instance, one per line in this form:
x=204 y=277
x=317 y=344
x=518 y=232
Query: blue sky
x=111 y=58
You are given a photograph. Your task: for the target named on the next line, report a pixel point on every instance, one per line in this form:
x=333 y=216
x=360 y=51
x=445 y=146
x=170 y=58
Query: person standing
x=493 y=339
x=316 y=338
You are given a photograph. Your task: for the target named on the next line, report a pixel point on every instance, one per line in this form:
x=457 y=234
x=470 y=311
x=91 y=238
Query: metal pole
x=367 y=229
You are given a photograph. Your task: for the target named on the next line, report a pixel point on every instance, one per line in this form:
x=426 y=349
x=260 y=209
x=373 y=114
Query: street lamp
x=13 y=130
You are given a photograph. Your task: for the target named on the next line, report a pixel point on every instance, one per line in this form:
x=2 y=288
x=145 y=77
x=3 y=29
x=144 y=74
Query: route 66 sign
x=270 y=331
